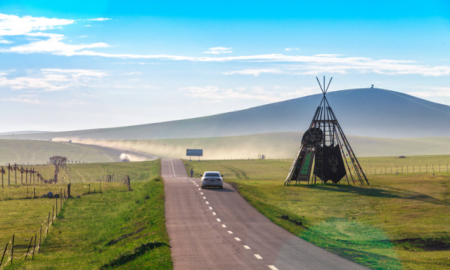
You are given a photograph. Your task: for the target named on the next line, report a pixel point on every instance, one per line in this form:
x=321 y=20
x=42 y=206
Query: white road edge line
x=246 y=247
x=273 y=267
x=258 y=257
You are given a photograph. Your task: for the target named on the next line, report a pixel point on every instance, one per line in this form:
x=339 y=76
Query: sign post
x=194 y=153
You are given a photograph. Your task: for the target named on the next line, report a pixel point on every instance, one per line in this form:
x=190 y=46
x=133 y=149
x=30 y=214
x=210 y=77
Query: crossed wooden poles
x=33 y=174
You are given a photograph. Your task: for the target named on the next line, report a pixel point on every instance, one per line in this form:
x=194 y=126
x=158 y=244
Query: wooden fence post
x=4 y=252
x=34 y=246
x=28 y=250
x=56 y=208
x=40 y=238
x=12 y=250
x=68 y=191
x=53 y=213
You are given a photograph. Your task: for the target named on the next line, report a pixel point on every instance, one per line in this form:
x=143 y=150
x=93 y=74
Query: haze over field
x=361 y=112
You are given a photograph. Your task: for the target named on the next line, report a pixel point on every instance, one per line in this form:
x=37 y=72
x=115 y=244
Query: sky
x=70 y=65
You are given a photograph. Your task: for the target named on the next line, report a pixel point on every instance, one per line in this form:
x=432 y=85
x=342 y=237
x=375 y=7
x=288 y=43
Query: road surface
x=217 y=229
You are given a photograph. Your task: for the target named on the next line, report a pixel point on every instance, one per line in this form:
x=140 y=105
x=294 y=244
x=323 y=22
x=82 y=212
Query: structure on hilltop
x=59 y=162
x=325 y=152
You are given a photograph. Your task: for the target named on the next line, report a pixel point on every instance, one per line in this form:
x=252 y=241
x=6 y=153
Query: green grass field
x=113 y=229
x=398 y=222
x=39 y=152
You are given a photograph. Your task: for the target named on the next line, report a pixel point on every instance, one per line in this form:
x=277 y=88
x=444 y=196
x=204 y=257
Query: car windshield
x=212 y=175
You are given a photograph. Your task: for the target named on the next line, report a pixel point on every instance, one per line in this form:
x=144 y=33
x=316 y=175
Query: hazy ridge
x=361 y=112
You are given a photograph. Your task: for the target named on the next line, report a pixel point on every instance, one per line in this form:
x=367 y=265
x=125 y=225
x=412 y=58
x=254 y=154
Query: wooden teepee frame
x=331 y=135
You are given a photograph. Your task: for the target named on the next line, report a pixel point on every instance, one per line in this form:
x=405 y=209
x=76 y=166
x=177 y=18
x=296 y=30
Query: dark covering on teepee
x=325 y=152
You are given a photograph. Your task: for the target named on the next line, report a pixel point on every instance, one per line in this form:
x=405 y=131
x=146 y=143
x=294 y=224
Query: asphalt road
x=218 y=229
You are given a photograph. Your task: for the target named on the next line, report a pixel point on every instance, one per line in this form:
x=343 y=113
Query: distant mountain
x=361 y=112
x=21 y=132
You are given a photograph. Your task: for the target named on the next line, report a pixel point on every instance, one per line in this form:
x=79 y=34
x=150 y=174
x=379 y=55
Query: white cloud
x=84 y=36
x=298 y=64
x=22 y=100
x=254 y=72
x=53 y=79
x=242 y=93
x=291 y=49
x=100 y=19
x=11 y=25
x=2 y=41
x=52 y=45
x=218 y=50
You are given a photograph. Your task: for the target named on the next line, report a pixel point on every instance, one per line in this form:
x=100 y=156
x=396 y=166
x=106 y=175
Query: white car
x=212 y=179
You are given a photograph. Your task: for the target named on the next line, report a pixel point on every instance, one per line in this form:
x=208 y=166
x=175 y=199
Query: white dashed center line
x=237 y=239
x=273 y=267
x=214 y=213
x=247 y=247
x=201 y=193
x=218 y=220
x=223 y=225
x=204 y=198
x=173 y=169
x=258 y=257
x=210 y=208
x=199 y=189
x=207 y=202
x=230 y=232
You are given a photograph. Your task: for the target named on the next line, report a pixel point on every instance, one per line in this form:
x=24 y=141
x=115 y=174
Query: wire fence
x=9 y=254
x=13 y=251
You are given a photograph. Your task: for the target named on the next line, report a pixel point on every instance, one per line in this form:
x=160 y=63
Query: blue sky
x=69 y=65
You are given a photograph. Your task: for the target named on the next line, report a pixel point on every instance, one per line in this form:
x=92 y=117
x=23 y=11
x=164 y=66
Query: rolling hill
x=361 y=112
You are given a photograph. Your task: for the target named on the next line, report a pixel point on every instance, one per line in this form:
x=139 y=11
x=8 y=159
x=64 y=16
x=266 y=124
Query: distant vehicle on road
x=212 y=179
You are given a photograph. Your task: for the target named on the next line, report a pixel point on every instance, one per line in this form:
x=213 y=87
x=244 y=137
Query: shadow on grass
x=378 y=192
x=139 y=251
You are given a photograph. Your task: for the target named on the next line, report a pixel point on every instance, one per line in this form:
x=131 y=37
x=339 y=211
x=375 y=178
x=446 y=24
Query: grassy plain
x=398 y=222
x=112 y=229
x=38 y=152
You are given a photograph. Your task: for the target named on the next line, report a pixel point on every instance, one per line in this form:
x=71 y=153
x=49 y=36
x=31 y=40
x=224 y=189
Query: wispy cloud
x=255 y=72
x=100 y=19
x=291 y=49
x=22 y=100
x=53 y=79
x=293 y=64
x=2 y=41
x=218 y=50
x=244 y=93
